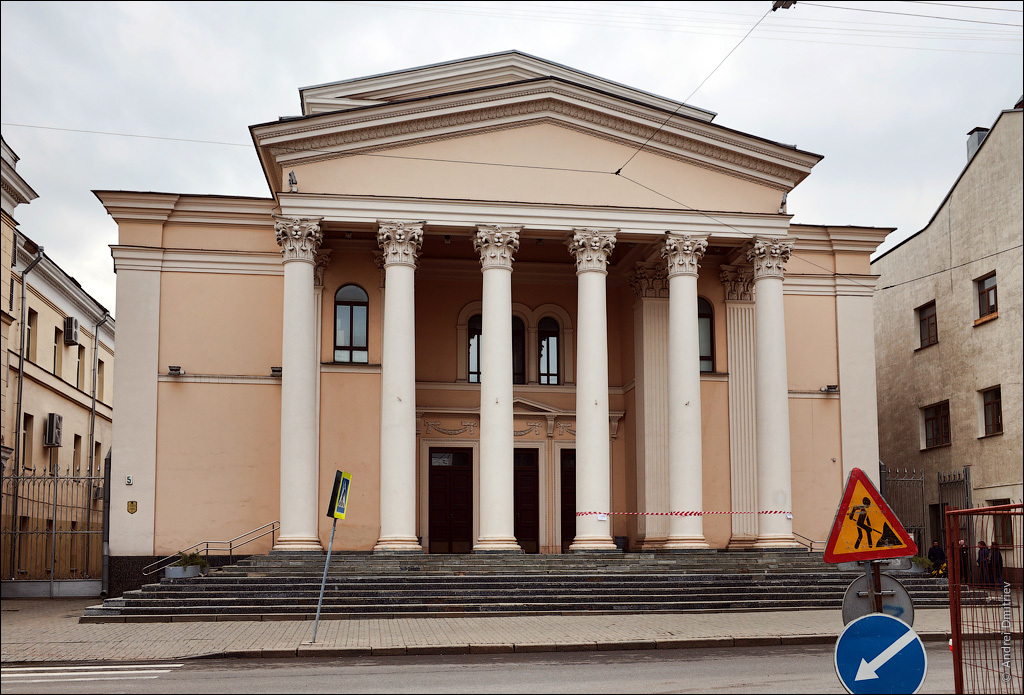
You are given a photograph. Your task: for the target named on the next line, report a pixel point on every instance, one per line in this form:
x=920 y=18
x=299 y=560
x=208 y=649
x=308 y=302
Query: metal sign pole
x=876 y=586
x=323 y=583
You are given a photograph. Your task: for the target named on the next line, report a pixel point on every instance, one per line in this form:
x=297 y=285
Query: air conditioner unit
x=71 y=331
x=54 y=427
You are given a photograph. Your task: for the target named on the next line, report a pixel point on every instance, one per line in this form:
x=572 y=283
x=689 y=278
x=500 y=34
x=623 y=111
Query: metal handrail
x=809 y=542
x=215 y=546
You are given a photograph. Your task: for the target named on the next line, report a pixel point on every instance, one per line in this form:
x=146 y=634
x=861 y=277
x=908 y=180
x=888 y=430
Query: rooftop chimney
x=974 y=140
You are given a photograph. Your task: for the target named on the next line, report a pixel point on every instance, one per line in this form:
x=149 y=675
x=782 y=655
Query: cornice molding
x=171 y=208
x=197 y=261
x=51 y=274
x=698 y=145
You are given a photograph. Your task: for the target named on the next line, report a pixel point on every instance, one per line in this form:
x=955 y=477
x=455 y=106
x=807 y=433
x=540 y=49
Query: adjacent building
x=58 y=353
x=948 y=335
x=527 y=308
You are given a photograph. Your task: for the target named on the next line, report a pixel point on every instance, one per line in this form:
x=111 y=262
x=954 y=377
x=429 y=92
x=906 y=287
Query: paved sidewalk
x=36 y=630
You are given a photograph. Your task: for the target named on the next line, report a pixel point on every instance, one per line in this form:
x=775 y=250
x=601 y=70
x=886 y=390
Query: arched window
x=475 y=330
x=350 y=324
x=547 y=349
x=706 y=327
x=518 y=351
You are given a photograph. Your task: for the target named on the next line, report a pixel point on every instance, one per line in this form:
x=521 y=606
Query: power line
x=911 y=14
x=127 y=135
x=969 y=7
x=952 y=267
x=683 y=103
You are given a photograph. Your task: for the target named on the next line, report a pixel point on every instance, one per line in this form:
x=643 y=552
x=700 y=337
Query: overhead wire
x=911 y=14
x=969 y=7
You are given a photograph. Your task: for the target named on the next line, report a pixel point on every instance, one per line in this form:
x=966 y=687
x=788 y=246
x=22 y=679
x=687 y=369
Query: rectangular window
x=80 y=369
x=987 y=303
x=58 y=351
x=929 y=325
x=99 y=380
x=26 y=442
x=936 y=425
x=993 y=410
x=1002 y=524
x=33 y=328
x=97 y=459
x=78 y=455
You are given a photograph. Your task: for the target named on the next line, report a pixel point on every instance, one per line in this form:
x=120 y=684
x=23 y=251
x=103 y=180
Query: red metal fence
x=985 y=557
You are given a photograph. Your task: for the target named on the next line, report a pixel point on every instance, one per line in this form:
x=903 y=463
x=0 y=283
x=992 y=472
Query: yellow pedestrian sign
x=339 y=495
x=865 y=528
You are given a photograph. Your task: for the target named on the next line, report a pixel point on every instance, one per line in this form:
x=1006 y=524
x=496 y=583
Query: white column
x=401 y=242
x=739 y=321
x=299 y=240
x=592 y=248
x=774 y=486
x=496 y=244
x=683 y=254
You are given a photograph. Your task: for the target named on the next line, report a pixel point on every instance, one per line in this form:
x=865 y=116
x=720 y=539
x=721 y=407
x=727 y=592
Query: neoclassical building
x=527 y=308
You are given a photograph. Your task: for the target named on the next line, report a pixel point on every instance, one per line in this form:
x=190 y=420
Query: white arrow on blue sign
x=878 y=653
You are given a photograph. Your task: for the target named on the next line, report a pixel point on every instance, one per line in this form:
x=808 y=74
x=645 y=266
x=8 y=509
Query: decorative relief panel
x=769 y=257
x=683 y=253
x=400 y=241
x=738 y=282
x=649 y=280
x=592 y=248
x=298 y=237
x=496 y=244
x=450 y=431
x=530 y=427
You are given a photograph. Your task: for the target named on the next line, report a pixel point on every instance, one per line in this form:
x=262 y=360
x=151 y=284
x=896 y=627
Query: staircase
x=364 y=585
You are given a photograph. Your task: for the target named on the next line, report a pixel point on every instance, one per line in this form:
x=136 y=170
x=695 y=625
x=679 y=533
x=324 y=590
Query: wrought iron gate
x=904 y=493
x=52 y=526
x=955 y=493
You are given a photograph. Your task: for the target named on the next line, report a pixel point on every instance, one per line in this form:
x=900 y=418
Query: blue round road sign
x=878 y=653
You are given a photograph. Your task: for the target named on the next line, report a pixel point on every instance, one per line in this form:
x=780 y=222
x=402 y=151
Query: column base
x=652 y=544
x=590 y=544
x=298 y=544
x=742 y=543
x=398 y=544
x=776 y=540
x=685 y=543
x=497 y=545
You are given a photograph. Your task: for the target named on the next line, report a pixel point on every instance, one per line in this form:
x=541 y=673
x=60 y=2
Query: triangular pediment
x=491 y=70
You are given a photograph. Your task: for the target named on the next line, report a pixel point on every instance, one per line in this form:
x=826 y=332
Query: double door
x=450 y=498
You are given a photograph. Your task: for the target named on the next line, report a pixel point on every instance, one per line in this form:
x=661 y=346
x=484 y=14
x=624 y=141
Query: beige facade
x=946 y=343
x=51 y=390
x=666 y=332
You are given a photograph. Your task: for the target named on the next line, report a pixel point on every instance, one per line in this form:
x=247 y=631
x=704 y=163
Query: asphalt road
x=805 y=669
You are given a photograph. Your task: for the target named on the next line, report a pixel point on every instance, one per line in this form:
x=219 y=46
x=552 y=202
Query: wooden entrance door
x=451 y=501
x=527 y=499
x=568 y=478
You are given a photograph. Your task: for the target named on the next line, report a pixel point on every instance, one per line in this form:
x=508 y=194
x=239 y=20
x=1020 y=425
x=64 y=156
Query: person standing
x=965 y=563
x=936 y=555
x=996 y=564
x=984 y=564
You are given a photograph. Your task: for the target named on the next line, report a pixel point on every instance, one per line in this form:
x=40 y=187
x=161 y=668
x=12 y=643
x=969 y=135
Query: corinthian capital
x=323 y=259
x=769 y=257
x=738 y=282
x=298 y=237
x=496 y=244
x=592 y=248
x=649 y=280
x=683 y=253
x=400 y=241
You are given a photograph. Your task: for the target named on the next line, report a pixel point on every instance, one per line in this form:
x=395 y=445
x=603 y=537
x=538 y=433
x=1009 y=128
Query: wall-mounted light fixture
x=275 y=371
x=448 y=239
x=831 y=388
x=175 y=370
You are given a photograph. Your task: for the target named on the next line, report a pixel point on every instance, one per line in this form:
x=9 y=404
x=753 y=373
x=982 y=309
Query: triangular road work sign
x=865 y=528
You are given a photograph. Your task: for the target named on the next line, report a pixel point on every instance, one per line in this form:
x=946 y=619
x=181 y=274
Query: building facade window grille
x=351 y=309
x=518 y=351
x=929 y=325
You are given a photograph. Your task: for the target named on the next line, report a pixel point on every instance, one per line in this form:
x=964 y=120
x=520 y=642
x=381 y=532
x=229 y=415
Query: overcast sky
x=886 y=96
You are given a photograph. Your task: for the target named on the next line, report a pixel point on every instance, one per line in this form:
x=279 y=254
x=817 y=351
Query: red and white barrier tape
x=683 y=513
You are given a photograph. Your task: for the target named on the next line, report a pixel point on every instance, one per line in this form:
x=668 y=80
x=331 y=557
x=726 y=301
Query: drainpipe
x=18 y=424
